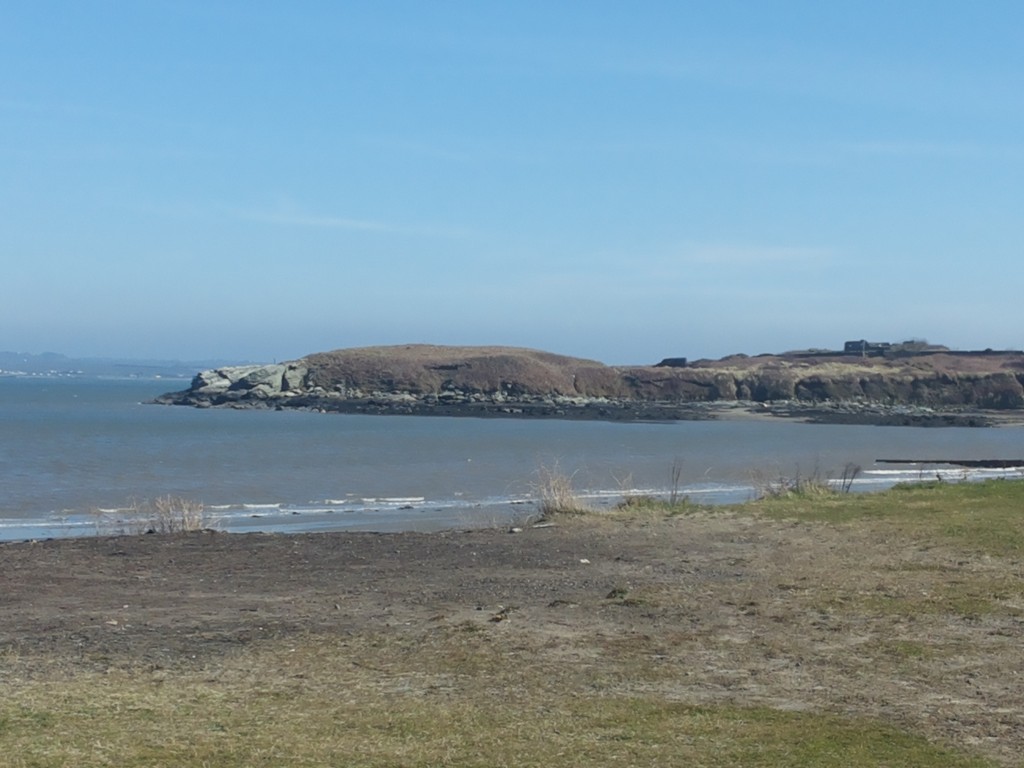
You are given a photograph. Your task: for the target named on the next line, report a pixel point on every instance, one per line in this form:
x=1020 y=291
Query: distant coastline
x=53 y=365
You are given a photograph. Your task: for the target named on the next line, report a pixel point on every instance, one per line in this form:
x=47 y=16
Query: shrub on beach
x=164 y=514
x=673 y=501
x=804 y=486
x=796 y=486
x=556 y=495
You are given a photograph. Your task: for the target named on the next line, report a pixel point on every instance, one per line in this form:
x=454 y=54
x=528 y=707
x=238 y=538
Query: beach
x=725 y=608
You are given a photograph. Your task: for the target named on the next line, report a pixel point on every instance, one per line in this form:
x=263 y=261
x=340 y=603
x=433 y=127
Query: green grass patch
x=136 y=722
x=986 y=517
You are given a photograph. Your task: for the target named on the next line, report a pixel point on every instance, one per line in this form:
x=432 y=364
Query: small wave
x=893 y=472
x=889 y=477
x=309 y=509
x=261 y=506
x=35 y=524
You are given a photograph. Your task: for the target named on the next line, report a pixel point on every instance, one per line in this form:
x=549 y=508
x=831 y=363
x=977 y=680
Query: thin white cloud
x=405 y=146
x=316 y=221
x=320 y=222
x=755 y=255
x=710 y=272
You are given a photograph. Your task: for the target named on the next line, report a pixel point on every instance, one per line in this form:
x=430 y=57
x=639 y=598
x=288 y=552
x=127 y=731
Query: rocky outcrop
x=234 y=384
x=520 y=382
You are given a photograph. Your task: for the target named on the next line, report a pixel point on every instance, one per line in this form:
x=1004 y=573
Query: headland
x=907 y=384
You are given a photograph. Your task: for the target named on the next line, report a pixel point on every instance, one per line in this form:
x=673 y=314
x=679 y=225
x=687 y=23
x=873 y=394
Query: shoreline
x=621 y=410
x=420 y=515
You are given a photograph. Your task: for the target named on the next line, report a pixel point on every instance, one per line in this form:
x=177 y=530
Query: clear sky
x=244 y=179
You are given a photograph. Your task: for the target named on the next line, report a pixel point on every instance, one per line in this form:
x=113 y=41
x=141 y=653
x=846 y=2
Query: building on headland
x=673 y=362
x=866 y=348
x=901 y=349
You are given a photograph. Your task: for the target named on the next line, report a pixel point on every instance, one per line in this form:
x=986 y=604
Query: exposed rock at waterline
x=247 y=381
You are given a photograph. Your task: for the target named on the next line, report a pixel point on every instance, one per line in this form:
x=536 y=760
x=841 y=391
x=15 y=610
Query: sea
x=76 y=453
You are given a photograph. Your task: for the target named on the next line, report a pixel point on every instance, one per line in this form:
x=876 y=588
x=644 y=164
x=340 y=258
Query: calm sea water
x=69 y=447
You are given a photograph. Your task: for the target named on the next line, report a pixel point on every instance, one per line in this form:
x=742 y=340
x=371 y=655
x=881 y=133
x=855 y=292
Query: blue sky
x=620 y=181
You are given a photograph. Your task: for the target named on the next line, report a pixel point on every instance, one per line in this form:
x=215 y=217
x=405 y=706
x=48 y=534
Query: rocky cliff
x=522 y=382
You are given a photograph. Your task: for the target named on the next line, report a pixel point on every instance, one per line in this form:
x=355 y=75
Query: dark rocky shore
x=579 y=409
x=499 y=382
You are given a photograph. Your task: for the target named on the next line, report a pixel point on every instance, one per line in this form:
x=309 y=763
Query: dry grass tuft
x=783 y=486
x=164 y=514
x=556 y=495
